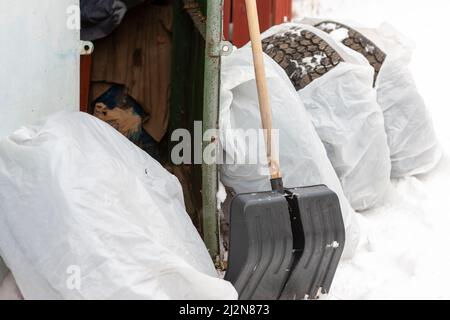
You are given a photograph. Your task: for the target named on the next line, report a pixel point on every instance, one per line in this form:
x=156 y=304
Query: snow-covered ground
x=404 y=250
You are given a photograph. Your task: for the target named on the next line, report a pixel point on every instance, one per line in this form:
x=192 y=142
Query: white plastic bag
x=349 y=121
x=85 y=214
x=412 y=140
x=413 y=145
x=303 y=159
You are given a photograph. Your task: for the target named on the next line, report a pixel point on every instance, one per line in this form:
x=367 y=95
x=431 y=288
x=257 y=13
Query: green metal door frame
x=213 y=40
x=195 y=91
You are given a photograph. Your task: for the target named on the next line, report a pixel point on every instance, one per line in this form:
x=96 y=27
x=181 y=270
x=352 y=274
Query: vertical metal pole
x=210 y=121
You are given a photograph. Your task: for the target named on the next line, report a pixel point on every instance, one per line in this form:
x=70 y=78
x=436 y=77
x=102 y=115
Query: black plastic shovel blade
x=319 y=239
x=260 y=245
x=285 y=246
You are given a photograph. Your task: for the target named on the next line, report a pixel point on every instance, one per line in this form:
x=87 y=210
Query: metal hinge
x=86 y=48
x=224 y=48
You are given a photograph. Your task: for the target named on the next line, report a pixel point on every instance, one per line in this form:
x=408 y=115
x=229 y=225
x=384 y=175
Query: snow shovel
x=285 y=243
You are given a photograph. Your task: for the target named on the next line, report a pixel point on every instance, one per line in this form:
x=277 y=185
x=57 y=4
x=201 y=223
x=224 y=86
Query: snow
x=369 y=48
x=403 y=253
x=314 y=61
x=339 y=34
x=403 y=250
x=221 y=195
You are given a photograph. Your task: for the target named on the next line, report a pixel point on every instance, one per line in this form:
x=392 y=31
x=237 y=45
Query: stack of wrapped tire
x=413 y=146
x=303 y=158
x=335 y=84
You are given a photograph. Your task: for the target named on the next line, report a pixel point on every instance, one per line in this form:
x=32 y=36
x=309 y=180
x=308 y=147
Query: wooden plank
x=85 y=81
x=282 y=11
x=138 y=54
x=186 y=98
x=266 y=13
x=227 y=19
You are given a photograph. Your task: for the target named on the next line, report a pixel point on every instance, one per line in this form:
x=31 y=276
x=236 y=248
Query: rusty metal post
x=210 y=121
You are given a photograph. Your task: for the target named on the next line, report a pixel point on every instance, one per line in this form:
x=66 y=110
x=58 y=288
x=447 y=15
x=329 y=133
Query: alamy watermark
x=228 y=146
x=73 y=281
x=73 y=21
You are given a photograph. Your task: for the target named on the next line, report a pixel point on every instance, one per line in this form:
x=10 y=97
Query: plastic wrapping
x=85 y=214
x=344 y=109
x=413 y=145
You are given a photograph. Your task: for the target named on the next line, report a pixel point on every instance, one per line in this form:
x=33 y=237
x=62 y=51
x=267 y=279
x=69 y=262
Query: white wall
x=39 y=61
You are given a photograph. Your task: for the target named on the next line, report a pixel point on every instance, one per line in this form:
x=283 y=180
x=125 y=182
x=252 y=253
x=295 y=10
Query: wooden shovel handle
x=261 y=83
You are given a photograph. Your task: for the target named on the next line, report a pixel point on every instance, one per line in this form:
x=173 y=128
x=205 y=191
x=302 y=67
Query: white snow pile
x=403 y=252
